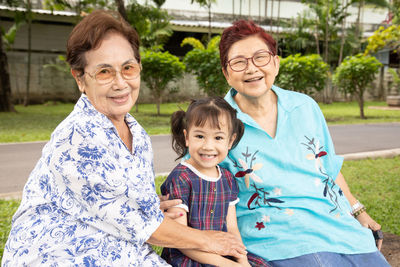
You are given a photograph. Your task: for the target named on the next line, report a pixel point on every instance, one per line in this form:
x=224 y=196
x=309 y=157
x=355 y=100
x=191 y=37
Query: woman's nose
x=119 y=81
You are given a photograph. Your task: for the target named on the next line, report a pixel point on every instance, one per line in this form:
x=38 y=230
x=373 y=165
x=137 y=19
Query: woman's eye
x=104 y=71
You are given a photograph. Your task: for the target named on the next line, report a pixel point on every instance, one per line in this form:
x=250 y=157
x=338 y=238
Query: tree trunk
x=358 y=27
x=360 y=100
x=5 y=85
x=158 y=102
x=381 y=88
x=272 y=14
x=121 y=9
x=342 y=37
x=28 y=67
x=209 y=21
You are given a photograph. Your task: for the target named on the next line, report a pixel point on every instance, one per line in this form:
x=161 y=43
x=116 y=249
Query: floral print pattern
x=89 y=201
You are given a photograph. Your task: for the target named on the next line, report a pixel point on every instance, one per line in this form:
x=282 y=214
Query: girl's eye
x=219 y=138
x=199 y=136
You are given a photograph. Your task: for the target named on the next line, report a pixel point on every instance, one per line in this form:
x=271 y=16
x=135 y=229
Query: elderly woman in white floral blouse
x=90 y=200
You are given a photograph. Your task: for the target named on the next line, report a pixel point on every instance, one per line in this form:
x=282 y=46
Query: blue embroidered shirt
x=289 y=204
x=89 y=201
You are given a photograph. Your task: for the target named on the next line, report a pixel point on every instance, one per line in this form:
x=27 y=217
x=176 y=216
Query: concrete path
x=352 y=141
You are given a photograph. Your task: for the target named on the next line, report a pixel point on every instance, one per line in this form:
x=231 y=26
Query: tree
x=354 y=74
x=151 y=23
x=207 y=4
x=159 y=69
x=204 y=63
x=306 y=74
x=383 y=37
x=7 y=39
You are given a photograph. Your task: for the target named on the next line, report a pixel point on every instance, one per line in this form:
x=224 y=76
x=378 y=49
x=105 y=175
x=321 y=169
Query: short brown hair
x=89 y=33
x=240 y=30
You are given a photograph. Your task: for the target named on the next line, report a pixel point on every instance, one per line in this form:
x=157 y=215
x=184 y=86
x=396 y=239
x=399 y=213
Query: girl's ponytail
x=178 y=124
x=238 y=129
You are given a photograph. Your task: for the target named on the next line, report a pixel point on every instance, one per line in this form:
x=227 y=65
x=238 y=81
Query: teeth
x=254 y=79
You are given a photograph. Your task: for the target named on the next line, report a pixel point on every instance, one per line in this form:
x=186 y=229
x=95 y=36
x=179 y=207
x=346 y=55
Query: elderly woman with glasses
x=295 y=207
x=90 y=200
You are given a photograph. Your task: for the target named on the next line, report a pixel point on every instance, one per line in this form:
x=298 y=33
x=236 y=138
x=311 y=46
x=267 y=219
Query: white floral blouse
x=89 y=201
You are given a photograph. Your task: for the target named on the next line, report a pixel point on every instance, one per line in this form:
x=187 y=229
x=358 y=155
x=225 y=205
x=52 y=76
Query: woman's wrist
x=357 y=208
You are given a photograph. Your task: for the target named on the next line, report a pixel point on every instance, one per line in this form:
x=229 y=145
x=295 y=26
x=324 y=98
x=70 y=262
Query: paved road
x=18 y=160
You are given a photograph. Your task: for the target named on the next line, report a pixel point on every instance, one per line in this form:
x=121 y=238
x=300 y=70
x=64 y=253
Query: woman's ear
x=225 y=73
x=78 y=79
x=277 y=60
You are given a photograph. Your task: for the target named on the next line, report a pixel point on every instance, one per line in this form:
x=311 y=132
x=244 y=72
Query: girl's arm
x=364 y=219
x=197 y=255
x=233 y=229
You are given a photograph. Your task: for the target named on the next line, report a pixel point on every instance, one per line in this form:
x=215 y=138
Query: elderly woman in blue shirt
x=295 y=207
x=90 y=200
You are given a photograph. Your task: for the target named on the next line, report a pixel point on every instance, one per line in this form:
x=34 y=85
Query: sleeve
x=234 y=188
x=177 y=185
x=332 y=163
x=104 y=191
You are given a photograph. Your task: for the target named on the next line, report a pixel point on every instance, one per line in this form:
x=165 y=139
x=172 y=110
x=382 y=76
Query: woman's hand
x=225 y=244
x=365 y=220
x=165 y=204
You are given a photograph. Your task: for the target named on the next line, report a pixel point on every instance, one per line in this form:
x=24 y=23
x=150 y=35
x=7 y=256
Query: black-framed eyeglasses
x=259 y=59
x=106 y=75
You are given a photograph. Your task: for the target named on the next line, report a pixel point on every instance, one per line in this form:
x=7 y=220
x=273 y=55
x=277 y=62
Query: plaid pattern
x=207 y=201
x=257 y=261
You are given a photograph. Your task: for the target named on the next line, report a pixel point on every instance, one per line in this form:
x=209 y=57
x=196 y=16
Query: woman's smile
x=120 y=99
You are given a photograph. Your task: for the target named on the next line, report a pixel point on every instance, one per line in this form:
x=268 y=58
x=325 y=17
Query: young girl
x=208 y=192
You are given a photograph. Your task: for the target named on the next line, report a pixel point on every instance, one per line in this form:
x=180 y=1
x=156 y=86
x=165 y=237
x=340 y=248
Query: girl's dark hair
x=200 y=111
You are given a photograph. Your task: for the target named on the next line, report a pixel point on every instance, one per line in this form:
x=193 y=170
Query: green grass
x=37 y=122
x=374 y=182
x=7 y=210
x=349 y=113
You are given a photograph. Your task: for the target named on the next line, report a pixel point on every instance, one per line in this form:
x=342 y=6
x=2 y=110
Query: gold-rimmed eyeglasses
x=105 y=75
x=259 y=59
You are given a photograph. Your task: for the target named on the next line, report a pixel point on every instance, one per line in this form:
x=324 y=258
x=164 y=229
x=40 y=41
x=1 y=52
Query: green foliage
x=383 y=37
x=396 y=78
x=151 y=23
x=60 y=65
x=159 y=69
x=354 y=74
x=306 y=74
x=204 y=63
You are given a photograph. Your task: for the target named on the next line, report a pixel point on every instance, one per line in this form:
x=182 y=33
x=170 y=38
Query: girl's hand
x=365 y=220
x=165 y=204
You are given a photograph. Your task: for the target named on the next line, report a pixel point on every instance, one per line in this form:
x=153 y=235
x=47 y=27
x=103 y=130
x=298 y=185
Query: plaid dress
x=206 y=200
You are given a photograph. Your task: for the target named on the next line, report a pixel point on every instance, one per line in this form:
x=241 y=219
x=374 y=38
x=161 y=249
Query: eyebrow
x=258 y=51
x=104 y=65
x=202 y=132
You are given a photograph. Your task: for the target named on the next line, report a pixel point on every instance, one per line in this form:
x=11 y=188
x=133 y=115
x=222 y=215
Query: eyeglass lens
x=107 y=74
x=260 y=59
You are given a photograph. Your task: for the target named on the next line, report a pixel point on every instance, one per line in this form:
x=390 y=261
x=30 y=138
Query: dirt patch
x=391 y=249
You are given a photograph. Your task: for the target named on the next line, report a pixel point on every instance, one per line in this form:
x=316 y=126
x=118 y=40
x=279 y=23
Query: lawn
x=375 y=182
x=36 y=122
